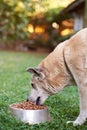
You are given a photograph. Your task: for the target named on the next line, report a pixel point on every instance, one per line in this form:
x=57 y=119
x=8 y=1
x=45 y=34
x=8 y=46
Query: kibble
x=28 y=106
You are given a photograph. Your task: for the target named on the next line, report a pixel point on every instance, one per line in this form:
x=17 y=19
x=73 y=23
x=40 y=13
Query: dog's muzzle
x=37 y=102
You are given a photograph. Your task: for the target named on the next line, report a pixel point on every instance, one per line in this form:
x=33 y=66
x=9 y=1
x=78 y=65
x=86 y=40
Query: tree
x=14 y=17
x=15 y=14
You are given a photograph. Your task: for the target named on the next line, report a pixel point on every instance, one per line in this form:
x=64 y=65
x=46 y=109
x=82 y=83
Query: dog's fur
x=66 y=63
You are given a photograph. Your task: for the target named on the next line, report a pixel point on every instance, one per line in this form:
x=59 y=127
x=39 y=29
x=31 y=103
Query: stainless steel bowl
x=31 y=116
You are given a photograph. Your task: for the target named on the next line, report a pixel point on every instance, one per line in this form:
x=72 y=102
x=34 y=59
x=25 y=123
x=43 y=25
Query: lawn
x=14 y=87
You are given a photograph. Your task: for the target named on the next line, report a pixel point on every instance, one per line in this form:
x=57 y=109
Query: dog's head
x=40 y=88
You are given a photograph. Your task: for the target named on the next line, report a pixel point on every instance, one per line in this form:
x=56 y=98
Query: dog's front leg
x=83 y=107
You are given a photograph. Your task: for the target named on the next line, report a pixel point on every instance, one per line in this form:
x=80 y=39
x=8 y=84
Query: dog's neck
x=55 y=68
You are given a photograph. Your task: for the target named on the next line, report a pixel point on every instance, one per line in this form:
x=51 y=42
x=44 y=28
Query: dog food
x=27 y=105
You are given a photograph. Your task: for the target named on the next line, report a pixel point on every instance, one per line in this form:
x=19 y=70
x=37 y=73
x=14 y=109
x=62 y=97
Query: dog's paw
x=75 y=123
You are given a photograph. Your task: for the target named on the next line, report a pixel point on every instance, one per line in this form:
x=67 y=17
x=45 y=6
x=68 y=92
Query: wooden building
x=73 y=17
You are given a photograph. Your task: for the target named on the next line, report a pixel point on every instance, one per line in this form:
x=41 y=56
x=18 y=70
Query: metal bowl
x=31 y=116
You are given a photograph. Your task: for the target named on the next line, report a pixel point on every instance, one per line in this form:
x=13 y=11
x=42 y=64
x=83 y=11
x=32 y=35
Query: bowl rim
x=20 y=109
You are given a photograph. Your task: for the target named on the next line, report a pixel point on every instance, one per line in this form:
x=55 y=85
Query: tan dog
x=67 y=62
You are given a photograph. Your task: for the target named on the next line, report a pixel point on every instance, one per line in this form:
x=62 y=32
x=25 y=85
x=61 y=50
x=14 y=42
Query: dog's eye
x=33 y=86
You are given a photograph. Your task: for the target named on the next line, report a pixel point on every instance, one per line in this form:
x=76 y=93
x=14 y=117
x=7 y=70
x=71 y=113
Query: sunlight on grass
x=14 y=87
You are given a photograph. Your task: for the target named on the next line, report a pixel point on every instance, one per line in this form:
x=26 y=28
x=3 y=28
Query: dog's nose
x=27 y=100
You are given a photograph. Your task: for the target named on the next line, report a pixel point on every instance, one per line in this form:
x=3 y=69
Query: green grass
x=14 y=87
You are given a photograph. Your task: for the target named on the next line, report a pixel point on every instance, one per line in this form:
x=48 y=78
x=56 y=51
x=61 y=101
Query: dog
x=64 y=65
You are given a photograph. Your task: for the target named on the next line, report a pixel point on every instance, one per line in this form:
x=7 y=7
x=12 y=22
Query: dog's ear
x=37 y=72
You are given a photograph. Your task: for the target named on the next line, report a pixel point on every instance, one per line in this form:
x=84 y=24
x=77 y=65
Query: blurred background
x=39 y=25
x=29 y=30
